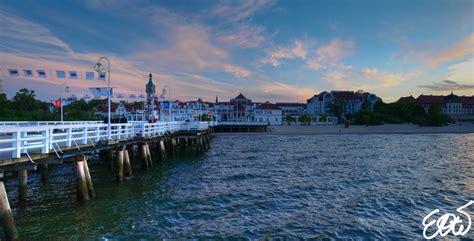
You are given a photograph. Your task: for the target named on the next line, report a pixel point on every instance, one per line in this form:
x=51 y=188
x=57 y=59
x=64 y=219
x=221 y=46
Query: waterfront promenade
x=361 y=129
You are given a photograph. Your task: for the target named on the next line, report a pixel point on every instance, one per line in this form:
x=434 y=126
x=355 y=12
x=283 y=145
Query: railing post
x=45 y=135
x=69 y=137
x=85 y=136
x=97 y=133
x=16 y=144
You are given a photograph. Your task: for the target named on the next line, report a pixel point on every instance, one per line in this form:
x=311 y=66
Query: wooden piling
x=163 y=155
x=143 y=154
x=22 y=185
x=44 y=172
x=119 y=166
x=198 y=145
x=127 y=164
x=81 y=184
x=90 y=187
x=131 y=153
x=148 y=156
x=6 y=216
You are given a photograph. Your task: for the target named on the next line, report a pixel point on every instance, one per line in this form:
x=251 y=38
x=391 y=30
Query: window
x=13 y=72
x=60 y=74
x=41 y=73
x=72 y=75
x=28 y=72
x=101 y=76
x=89 y=75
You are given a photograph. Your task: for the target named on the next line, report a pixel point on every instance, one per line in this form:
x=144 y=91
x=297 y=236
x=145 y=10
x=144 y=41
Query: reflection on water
x=259 y=186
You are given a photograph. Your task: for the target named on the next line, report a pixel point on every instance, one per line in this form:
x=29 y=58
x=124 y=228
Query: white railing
x=45 y=123
x=18 y=139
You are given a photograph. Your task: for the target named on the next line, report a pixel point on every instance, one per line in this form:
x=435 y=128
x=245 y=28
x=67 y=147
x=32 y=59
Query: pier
x=34 y=146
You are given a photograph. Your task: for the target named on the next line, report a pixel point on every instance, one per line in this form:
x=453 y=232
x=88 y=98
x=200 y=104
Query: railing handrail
x=18 y=139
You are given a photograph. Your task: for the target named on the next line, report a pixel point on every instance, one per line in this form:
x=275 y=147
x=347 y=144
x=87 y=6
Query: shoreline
x=359 y=129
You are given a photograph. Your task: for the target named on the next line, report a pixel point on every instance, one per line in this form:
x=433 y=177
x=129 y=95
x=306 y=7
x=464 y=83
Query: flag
x=56 y=103
x=100 y=91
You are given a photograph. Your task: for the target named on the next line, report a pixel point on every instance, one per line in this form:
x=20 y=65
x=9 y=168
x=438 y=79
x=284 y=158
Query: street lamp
x=99 y=67
x=66 y=89
x=169 y=100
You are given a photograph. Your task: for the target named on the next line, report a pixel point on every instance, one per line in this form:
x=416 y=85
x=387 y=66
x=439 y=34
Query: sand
x=357 y=129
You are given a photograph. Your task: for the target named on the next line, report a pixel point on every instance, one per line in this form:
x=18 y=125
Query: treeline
x=25 y=107
x=398 y=112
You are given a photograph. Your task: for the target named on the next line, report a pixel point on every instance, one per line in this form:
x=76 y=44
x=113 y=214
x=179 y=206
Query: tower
x=150 y=94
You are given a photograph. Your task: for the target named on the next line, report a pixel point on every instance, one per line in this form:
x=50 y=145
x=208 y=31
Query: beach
x=360 y=129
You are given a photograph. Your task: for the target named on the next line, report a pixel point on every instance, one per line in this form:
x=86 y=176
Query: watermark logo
x=447 y=223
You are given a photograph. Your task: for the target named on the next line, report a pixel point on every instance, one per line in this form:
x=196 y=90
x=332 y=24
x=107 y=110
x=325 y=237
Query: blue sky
x=268 y=49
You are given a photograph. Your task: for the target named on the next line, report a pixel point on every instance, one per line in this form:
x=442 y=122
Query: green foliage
x=25 y=107
x=305 y=119
x=398 y=112
x=337 y=108
x=289 y=119
x=323 y=117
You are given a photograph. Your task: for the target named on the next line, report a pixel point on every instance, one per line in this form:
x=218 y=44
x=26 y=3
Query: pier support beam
x=6 y=216
x=162 y=150
x=126 y=163
x=148 y=156
x=143 y=154
x=90 y=187
x=22 y=185
x=81 y=183
x=44 y=172
x=119 y=166
x=131 y=153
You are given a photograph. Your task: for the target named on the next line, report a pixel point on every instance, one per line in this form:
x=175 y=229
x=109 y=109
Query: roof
x=345 y=95
x=268 y=106
x=467 y=100
x=430 y=99
x=408 y=99
x=240 y=97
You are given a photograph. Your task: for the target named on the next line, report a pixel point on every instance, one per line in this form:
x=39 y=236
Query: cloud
x=369 y=79
x=240 y=10
x=330 y=54
x=458 y=50
x=237 y=71
x=448 y=85
x=462 y=72
x=296 y=50
x=20 y=29
x=246 y=36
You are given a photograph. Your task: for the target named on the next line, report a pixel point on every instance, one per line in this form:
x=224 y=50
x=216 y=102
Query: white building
x=268 y=113
x=352 y=102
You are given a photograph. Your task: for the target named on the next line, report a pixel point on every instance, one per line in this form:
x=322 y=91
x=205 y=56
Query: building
x=241 y=108
x=459 y=108
x=150 y=98
x=352 y=102
x=295 y=110
x=268 y=113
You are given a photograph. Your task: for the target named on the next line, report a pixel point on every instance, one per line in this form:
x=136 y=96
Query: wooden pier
x=37 y=146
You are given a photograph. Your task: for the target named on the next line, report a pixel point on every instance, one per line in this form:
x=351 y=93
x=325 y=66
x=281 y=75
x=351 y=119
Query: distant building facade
x=321 y=104
x=459 y=108
x=268 y=113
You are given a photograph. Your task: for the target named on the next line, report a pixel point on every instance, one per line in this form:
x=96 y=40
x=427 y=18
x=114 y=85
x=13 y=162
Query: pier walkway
x=25 y=146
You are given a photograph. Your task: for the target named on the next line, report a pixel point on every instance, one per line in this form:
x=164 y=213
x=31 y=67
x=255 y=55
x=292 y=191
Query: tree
x=289 y=119
x=323 y=118
x=337 y=108
x=305 y=119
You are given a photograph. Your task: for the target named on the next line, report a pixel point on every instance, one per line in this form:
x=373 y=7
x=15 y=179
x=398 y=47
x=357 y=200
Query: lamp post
x=99 y=67
x=62 y=109
x=169 y=100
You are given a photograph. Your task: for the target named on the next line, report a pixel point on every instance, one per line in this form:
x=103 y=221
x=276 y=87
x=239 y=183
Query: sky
x=270 y=50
